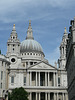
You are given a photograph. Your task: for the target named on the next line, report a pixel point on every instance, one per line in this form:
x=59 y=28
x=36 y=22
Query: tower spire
x=29 y=31
x=14 y=27
x=13 y=33
x=13 y=30
x=65 y=31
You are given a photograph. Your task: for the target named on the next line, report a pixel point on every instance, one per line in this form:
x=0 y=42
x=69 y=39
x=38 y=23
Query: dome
x=30 y=45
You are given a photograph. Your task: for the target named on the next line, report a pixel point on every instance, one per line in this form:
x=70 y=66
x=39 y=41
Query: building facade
x=29 y=68
x=4 y=65
x=70 y=64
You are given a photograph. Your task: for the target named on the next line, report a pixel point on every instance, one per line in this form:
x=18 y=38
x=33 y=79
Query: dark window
x=12 y=79
x=35 y=62
x=30 y=53
x=58 y=81
x=33 y=76
x=13 y=37
x=24 y=80
x=1 y=75
x=13 y=49
x=31 y=63
x=13 y=60
x=1 y=86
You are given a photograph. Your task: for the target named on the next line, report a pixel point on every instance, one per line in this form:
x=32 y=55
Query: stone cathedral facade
x=29 y=69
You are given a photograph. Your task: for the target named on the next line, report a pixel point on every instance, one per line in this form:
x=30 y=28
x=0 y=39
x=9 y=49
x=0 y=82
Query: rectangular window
x=1 y=75
x=24 y=80
x=1 y=85
x=12 y=79
x=58 y=81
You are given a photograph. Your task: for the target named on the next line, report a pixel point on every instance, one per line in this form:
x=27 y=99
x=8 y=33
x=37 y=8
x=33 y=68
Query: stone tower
x=62 y=74
x=62 y=60
x=13 y=44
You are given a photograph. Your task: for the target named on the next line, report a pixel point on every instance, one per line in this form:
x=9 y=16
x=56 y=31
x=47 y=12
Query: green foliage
x=18 y=94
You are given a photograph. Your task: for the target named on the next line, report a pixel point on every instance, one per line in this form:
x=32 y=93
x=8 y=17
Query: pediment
x=42 y=65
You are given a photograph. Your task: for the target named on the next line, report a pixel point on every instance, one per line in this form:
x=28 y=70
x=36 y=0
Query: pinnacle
x=29 y=31
x=14 y=28
x=65 y=32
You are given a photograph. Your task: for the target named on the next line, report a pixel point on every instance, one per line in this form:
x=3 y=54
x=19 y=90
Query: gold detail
x=14 y=25
x=65 y=28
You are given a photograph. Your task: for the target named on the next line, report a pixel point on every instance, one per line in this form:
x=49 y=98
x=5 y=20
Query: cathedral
x=25 y=66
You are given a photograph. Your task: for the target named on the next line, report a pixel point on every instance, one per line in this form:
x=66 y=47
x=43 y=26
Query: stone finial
x=65 y=31
x=14 y=27
x=14 y=30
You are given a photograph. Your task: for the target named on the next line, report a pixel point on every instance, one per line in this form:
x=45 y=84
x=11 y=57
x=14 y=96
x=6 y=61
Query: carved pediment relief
x=42 y=65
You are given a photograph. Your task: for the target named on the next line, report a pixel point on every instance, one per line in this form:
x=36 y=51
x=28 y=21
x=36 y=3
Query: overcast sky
x=48 y=19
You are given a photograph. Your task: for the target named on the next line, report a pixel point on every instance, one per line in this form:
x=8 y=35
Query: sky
x=48 y=19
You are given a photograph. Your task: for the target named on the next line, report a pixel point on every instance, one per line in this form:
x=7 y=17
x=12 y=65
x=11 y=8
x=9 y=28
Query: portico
x=47 y=96
x=42 y=78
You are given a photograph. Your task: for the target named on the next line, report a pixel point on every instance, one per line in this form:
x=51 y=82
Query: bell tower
x=62 y=59
x=13 y=44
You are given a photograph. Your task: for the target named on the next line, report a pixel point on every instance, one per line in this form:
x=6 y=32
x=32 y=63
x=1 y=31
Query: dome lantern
x=29 y=31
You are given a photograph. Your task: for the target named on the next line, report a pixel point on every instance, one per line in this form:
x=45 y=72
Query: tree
x=18 y=94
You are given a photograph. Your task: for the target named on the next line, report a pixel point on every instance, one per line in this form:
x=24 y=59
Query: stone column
x=57 y=78
x=36 y=78
x=66 y=96
x=48 y=96
x=30 y=96
x=30 y=78
x=27 y=79
x=39 y=78
x=45 y=78
x=39 y=96
x=54 y=78
x=54 y=96
x=63 y=96
x=45 y=96
x=48 y=78
x=57 y=97
x=36 y=95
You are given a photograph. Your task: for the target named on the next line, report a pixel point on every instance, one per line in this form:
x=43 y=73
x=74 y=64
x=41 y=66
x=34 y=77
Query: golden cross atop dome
x=65 y=28
x=14 y=25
